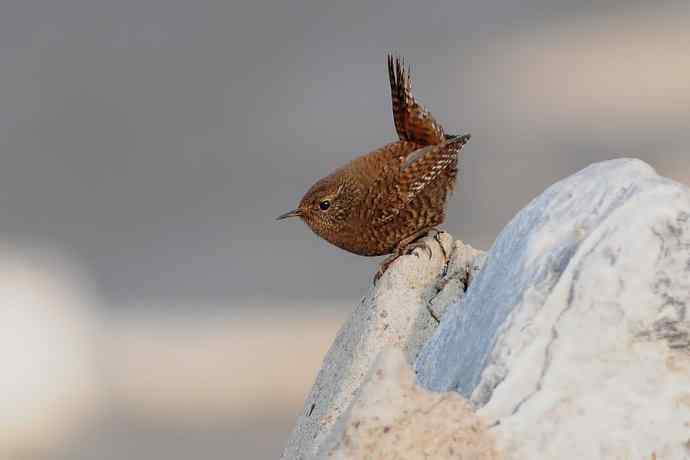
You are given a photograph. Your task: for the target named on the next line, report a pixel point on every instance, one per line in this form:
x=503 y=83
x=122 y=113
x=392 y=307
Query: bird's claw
x=378 y=275
x=436 y=236
x=410 y=248
x=383 y=267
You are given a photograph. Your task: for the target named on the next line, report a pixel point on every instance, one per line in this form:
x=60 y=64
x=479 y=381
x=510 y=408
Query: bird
x=384 y=201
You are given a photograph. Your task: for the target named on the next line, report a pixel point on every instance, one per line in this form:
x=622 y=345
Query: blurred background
x=150 y=306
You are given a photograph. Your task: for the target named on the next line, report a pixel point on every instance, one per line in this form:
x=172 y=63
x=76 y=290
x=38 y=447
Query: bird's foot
x=435 y=234
x=408 y=246
x=384 y=266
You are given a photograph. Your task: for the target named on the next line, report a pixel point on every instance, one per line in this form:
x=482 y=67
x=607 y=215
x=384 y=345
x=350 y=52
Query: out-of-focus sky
x=154 y=143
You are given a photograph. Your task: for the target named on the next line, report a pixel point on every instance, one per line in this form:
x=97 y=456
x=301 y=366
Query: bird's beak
x=295 y=213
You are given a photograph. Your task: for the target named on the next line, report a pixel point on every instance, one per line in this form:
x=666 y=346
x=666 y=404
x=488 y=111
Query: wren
x=383 y=201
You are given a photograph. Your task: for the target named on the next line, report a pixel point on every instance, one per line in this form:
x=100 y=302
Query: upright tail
x=412 y=121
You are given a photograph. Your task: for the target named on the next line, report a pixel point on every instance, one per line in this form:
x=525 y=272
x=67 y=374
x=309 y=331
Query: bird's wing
x=412 y=121
x=419 y=169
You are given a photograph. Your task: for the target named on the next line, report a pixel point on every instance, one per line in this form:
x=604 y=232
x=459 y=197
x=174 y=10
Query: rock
x=393 y=418
x=395 y=312
x=574 y=339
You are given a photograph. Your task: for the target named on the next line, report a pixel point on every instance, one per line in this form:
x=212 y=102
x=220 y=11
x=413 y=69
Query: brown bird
x=383 y=201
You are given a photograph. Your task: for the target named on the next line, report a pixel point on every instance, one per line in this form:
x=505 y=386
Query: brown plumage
x=382 y=201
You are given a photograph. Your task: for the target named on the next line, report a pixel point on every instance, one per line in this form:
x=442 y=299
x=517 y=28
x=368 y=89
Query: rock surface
x=393 y=418
x=574 y=339
x=398 y=312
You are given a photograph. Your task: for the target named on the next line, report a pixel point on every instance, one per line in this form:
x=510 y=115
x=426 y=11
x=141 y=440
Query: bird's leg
x=436 y=232
x=406 y=246
x=416 y=242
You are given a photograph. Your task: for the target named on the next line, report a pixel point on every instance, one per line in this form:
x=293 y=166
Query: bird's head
x=325 y=207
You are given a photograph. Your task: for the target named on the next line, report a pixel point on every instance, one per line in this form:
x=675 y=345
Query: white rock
x=395 y=312
x=394 y=419
x=574 y=339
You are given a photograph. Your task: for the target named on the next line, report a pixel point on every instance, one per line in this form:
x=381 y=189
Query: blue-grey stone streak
x=527 y=258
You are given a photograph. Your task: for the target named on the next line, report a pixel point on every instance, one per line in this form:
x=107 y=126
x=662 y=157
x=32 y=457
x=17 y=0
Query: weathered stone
x=393 y=418
x=395 y=312
x=574 y=339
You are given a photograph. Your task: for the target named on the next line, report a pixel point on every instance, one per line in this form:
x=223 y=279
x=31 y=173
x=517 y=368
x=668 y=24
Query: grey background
x=157 y=140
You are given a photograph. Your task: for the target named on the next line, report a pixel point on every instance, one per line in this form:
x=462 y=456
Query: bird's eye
x=324 y=204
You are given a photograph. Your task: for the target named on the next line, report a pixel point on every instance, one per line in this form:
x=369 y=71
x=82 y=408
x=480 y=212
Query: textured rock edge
x=395 y=418
x=401 y=310
x=574 y=339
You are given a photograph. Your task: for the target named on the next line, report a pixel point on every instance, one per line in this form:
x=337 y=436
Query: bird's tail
x=412 y=121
